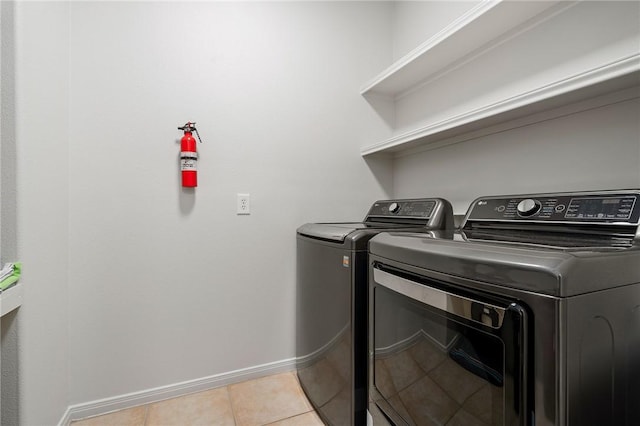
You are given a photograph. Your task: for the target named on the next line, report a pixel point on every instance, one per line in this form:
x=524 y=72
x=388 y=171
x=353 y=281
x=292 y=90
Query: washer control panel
x=422 y=208
x=606 y=207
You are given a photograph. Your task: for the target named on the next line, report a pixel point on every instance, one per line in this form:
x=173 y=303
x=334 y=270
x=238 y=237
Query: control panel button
x=528 y=207
x=560 y=208
x=394 y=207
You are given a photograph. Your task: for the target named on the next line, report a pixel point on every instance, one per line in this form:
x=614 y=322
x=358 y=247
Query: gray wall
x=131 y=282
x=416 y=21
x=40 y=127
x=168 y=285
x=9 y=390
x=591 y=150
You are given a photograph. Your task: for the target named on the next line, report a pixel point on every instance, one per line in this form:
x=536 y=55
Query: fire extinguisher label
x=189 y=164
x=189 y=161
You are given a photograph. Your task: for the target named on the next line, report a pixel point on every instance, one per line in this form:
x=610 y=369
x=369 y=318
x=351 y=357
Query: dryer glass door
x=446 y=356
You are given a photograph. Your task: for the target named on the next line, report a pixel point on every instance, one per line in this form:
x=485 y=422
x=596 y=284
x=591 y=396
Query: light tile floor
x=274 y=400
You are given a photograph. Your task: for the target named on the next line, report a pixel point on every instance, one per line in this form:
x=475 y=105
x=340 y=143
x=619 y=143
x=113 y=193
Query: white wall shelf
x=480 y=25
x=415 y=81
x=10 y=299
x=571 y=91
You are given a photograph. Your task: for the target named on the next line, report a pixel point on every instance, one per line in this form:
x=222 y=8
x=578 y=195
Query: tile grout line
x=233 y=411
x=287 y=418
x=146 y=414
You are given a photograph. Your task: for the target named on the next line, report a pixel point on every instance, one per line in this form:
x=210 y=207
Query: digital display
x=600 y=208
x=422 y=209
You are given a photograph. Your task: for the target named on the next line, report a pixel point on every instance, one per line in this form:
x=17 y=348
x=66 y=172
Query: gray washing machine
x=529 y=315
x=331 y=312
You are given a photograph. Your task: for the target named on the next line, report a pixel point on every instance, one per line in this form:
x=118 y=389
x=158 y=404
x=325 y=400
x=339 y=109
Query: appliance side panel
x=360 y=321
x=632 y=362
x=323 y=295
x=324 y=327
x=603 y=357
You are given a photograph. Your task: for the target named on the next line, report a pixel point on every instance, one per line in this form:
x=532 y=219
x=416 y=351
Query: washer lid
x=338 y=232
x=426 y=213
x=330 y=231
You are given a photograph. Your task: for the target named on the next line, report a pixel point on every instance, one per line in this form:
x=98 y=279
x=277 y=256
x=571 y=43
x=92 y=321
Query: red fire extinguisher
x=189 y=155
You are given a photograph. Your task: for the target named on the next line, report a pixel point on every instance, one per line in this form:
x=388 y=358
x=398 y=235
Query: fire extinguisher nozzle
x=190 y=126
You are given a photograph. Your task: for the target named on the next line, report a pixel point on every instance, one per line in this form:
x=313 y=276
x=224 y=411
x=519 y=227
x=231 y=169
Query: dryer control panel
x=593 y=207
x=404 y=208
x=434 y=213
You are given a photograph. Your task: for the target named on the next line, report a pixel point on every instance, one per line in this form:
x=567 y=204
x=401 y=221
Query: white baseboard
x=107 y=405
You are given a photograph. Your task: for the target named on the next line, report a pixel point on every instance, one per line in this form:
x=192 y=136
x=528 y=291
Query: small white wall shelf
x=414 y=79
x=590 y=84
x=10 y=299
x=480 y=25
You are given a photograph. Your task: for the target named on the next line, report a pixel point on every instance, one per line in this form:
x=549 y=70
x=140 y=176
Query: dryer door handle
x=461 y=306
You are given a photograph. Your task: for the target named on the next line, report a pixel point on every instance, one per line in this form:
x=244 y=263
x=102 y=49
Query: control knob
x=528 y=207
x=394 y=207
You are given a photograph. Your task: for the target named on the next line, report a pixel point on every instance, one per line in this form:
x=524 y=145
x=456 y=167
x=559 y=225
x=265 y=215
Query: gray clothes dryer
x=529 y=315
x=331 y=312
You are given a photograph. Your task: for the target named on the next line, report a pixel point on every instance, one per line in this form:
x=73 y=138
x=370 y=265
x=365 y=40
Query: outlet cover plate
x=243 y=204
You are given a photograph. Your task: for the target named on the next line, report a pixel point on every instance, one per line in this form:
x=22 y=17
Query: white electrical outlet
x=244 y=204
